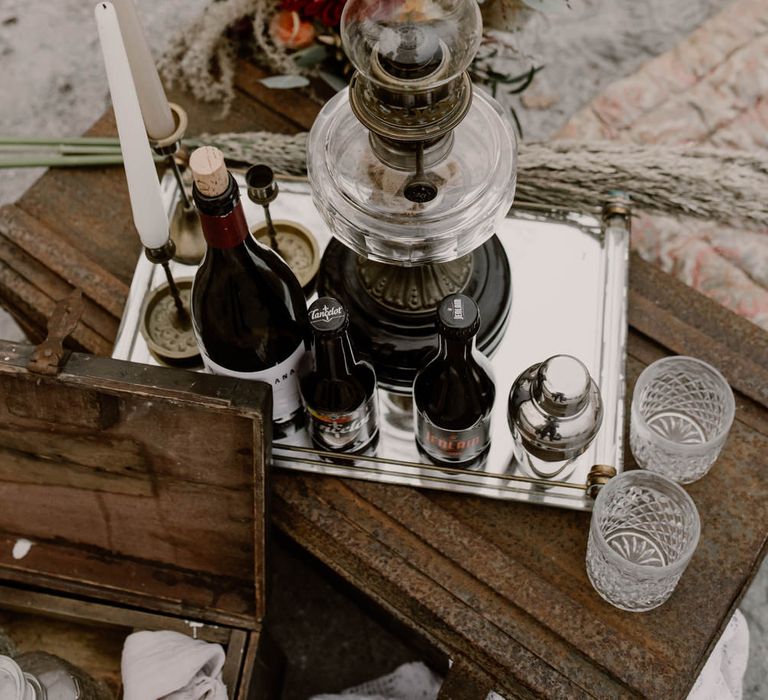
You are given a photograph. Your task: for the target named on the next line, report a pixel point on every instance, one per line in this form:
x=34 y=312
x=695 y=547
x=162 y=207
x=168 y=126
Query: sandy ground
x=52 y=82
x=51 y=73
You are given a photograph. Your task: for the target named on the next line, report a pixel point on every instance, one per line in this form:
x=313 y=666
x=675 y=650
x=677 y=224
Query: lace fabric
x=412 y=681
x=720 y=679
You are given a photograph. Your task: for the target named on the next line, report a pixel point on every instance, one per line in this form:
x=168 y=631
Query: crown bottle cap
x=458 y=317
x=328 y=316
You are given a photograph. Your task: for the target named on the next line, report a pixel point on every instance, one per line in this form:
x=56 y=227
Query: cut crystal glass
x=643 y=533
x=682 y=410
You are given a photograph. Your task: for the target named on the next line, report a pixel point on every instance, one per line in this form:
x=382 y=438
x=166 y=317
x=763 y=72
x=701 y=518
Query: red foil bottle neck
x=225 y=231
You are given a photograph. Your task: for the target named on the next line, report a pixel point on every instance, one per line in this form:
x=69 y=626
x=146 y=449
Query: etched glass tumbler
x=682 y=410
x=643 y=533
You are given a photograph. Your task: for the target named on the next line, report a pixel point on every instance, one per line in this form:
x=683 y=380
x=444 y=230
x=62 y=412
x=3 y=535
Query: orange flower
x=287 y=29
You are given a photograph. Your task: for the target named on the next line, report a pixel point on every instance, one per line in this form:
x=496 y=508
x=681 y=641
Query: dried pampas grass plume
x=201 y=58
x=703 y=183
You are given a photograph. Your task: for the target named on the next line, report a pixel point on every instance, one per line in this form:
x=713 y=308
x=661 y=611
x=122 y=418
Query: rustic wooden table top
x=499 y=587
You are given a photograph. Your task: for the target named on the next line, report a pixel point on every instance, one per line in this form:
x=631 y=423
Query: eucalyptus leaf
x=334 y=81
x=310 y=56
x=549 y=6
x=284 y=82
x=527 y=79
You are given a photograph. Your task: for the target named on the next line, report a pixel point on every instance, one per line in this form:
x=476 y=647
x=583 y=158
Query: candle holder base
x=298 y=247
x=187 y=235
x=170 y=339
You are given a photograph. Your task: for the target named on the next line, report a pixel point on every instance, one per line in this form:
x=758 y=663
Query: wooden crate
x=140 y=486
x=91 y=636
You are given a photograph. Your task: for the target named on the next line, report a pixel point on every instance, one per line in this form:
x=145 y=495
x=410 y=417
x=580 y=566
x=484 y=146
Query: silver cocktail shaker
x=555 y=411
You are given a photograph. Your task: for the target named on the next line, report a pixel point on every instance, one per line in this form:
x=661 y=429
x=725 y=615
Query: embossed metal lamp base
x=392 y=308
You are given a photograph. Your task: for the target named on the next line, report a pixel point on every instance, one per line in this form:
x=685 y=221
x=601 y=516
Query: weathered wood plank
x=36 y=306
x=645 y=351
x=72 y=609
x=498 y=586
x=25 y=458
x=401 y=587
x=114 y=461
x=463 y=682
x=502 y=588
x=55 y=255
x=89 y=572
x=36 y=274
x=295 y=111
x=233 y=665
x=688 y=323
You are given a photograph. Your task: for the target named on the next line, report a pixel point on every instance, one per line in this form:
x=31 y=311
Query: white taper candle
x=146 y=202
x=158 y=119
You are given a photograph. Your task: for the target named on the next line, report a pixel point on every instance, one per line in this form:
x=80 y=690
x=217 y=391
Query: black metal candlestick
x=291 y=241
x=166 y=323
x=262 y=189
x=163 y=256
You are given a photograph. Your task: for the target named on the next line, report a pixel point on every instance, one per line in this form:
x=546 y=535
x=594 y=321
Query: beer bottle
x=453 y=394
x=339 y=392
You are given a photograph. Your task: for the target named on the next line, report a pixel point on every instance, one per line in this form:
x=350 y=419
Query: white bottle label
x=283 y=378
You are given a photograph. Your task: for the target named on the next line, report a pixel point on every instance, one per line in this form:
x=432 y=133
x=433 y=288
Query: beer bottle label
x=345 y=432
x=453 y=445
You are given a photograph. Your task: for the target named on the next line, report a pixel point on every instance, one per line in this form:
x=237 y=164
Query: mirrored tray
x=569 y=290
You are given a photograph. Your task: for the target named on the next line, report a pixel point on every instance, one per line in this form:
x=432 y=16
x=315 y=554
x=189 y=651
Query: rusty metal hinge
x=50 y=356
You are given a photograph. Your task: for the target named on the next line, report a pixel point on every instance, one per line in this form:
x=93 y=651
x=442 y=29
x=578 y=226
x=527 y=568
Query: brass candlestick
x=290 y=240
x=185 y=224
x=166 y=323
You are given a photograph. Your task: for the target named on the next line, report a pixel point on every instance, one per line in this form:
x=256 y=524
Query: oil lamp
x=412 y=169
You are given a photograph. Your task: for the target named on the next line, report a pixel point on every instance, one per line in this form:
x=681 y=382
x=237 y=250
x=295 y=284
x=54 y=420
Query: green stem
x=39 y=148
x=63 y=161
x=89 y=150
x=52 y=141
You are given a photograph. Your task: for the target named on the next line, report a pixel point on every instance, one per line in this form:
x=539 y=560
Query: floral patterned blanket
x=711 y=89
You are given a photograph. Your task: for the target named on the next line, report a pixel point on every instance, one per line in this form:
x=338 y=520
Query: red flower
x=287 y=29
x=326 y=12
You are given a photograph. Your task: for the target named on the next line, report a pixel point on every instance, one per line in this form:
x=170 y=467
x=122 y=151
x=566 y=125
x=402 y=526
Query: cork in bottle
x=209 y=171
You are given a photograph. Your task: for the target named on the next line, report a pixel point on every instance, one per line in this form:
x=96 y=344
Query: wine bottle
x=248 y=310
x=454 y=392
x=339 y=392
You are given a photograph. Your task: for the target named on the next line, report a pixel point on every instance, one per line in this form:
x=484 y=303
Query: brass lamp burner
x=390 y=118
x=410 y=104
x=410 y=94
